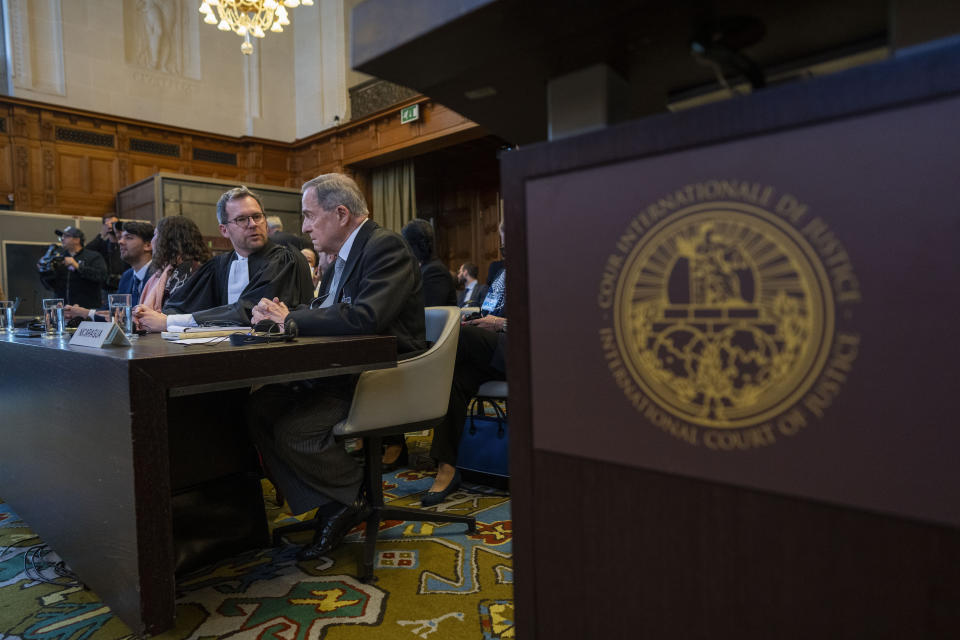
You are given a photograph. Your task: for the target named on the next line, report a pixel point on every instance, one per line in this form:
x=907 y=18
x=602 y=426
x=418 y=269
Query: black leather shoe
x=431 y=498
x=336 y=526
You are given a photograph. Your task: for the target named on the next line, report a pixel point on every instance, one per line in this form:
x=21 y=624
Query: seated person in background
x=277 y=234
x=136 y=250
x=495 y=268
x=79 y=276
x=320 y=263
x=372 y=288
x=225 y=289
x=481 y=357
x=473 y=292
x=439 y=287
x=178 y=251
x=312 y=259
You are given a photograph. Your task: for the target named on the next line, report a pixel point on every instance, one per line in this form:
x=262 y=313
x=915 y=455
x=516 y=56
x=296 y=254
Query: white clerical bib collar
x=345 y=249
x=238 y=279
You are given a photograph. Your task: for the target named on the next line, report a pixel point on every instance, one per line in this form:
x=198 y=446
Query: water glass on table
x=6 y=316
x=53 y=324
x=121 y=311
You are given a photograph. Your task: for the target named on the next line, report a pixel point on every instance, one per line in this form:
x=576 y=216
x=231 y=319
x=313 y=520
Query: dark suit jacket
x=439 y=286
x=379 y=293
x=476 y=296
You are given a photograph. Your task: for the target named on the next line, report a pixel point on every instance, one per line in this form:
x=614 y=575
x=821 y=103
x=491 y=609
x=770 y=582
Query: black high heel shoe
x=431 y=498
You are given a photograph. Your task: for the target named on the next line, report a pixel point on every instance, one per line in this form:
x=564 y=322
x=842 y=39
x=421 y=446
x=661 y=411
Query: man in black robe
x=224 y=290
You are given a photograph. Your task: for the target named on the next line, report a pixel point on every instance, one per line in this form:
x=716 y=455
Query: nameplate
x=98 y=334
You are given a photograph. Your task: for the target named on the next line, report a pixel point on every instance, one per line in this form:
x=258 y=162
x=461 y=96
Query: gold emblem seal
x=723 y=315
x=724 y=318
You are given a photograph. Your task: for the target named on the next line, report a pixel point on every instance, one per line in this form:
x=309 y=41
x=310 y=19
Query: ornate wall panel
x=60 y=160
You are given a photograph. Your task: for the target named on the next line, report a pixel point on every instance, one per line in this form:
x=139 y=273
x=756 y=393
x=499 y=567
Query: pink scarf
x=152 y=295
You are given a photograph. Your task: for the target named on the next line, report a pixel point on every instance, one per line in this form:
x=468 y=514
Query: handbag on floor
x=484 y=445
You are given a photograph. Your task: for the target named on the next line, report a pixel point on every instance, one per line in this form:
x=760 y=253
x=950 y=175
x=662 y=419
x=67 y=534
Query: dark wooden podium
x=731 y=360
x=649 y=500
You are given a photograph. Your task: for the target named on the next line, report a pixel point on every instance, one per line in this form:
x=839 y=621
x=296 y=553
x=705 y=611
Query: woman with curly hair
x=178 y=251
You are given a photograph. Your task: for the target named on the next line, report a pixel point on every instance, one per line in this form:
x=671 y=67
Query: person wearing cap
x=81 y=274
x=136 y=251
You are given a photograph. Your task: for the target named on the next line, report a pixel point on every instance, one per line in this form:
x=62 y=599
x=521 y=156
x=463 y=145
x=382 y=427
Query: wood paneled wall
x=459 y=189
x=59 y=160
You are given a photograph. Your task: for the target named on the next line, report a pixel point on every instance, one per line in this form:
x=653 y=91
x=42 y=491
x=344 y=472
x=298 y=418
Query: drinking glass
x=121 y=311
x=53 y=324
x=6 y=316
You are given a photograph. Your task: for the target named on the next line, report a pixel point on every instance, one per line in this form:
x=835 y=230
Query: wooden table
x=113 y=455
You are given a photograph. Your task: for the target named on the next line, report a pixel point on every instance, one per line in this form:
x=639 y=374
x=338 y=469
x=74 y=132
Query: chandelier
x=249 y=17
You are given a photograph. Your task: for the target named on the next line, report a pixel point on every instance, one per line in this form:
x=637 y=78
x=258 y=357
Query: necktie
x=332 y=291
x=136 y=289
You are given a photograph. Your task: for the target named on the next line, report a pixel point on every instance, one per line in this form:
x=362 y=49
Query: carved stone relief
x=161 y=39
x=152 y=34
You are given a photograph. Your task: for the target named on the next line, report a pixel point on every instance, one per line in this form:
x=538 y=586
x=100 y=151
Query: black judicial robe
x=275 y=272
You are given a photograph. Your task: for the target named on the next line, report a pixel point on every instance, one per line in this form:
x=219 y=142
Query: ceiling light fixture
x=249 y=17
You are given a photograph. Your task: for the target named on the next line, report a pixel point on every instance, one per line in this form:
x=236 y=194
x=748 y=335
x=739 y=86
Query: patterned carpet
x=435 y=582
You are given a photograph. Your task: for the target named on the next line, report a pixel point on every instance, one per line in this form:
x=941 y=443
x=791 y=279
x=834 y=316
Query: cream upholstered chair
x=411 y=397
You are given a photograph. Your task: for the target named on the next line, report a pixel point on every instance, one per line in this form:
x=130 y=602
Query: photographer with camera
x=107 y=244
x=74 y=273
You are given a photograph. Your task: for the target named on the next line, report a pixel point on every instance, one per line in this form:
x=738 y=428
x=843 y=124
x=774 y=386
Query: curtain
x=394 y=195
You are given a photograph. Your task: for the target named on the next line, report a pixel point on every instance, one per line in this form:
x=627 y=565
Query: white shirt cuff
x=181 y=320
x=92 y=314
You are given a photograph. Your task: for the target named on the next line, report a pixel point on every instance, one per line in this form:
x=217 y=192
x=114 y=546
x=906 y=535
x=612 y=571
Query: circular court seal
x=724 y=316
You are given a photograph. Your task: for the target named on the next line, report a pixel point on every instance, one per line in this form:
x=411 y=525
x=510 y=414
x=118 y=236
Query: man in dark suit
x=136 y=249
x=373 y=287
x=473 y=292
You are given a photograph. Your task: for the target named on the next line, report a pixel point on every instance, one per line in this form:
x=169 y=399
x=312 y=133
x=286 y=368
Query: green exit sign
x=409 y=114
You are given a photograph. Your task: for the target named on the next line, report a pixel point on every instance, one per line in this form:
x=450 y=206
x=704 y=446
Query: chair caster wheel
x=371 y=579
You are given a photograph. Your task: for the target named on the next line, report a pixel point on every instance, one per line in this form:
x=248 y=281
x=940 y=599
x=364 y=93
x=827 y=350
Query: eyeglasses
x=243 y=221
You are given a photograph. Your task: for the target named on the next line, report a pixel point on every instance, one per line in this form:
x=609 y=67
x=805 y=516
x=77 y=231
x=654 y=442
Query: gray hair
x=234 y=194
x=333 y=189
x=274 y=223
